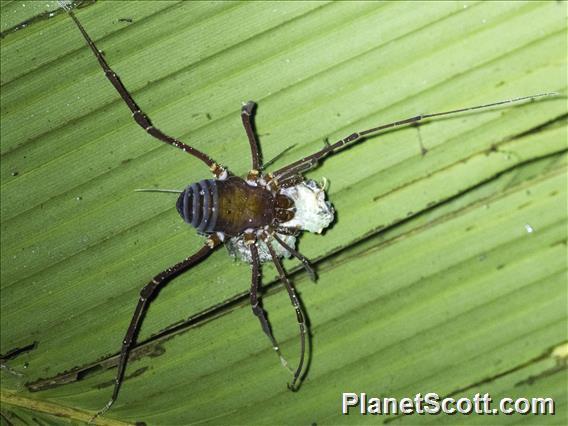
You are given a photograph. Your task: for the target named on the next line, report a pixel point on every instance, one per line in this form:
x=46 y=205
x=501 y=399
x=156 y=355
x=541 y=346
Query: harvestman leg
x=291 y=180
x=145 y=296
x=139 y=116
x=257 y=309
x=288 y=231
x=299 y=314
x=306 y=163
x=247 y=113
x=298 y=256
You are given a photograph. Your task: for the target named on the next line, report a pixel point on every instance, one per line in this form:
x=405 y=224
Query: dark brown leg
x=145 y=297
x=141 y=119
x=288 y=231
x=299 y=315
x=247 y=113
x=306 y=163
x=257 y=309
x=298 y=256
x=291 y=180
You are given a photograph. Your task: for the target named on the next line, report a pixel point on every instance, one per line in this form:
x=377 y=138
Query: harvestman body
x=258 y=217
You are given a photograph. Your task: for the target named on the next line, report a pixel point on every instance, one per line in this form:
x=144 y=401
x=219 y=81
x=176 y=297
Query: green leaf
x=444 y=272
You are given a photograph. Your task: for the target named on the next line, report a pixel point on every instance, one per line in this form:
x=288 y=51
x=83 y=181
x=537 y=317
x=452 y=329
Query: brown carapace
x=232 y=206
x=258 y=217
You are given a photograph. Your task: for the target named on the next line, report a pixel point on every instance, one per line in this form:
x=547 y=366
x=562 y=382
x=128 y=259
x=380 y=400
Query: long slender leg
x=288 y=231
x=247 y=116
x=145 y=297
x=139 y=116
x=298 y=256
x=306 y=163
x=257 y=309
x=299 y=315
x=290 y=180
x=266 y=164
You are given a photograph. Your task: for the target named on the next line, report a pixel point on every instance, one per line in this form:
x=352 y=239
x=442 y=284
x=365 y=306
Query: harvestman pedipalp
x=258 y=217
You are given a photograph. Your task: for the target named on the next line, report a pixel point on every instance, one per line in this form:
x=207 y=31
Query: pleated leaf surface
x=444 y=271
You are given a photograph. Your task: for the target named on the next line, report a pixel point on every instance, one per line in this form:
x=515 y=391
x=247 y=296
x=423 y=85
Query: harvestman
x=258 y=217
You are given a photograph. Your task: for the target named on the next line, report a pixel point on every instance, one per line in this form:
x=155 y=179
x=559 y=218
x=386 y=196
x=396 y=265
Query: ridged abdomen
x=229 y=206
x=198 y=205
